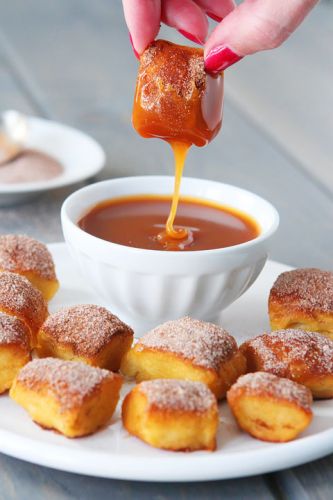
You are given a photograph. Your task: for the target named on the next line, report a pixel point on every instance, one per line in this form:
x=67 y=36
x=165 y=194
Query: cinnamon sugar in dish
x=30 y=166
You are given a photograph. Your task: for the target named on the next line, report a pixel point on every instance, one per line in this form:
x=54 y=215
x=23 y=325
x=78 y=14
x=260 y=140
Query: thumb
x=253 y=26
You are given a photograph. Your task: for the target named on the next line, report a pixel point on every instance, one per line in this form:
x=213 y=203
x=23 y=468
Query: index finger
x=143 y=19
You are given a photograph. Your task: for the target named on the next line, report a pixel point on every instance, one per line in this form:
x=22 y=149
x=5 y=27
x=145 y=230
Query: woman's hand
x=252 y=26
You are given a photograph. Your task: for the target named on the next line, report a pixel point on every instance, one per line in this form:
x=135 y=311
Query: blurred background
x=72 y=61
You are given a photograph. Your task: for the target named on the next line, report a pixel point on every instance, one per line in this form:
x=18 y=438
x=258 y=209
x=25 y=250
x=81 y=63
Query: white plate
x=81 y=156
x=113 y=453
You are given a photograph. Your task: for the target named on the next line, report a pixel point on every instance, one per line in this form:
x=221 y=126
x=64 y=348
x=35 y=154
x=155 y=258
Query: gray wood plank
x=24 y=481
x=73 y=61
x=288 y=93
x=316 y=478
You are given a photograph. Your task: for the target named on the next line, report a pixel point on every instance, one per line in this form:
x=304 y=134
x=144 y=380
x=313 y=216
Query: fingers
x=216 y=9
x=187 y=17
x=143 y=21
x=253 y=26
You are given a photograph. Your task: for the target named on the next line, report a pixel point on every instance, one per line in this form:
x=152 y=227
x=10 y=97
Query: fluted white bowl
x=148 y=287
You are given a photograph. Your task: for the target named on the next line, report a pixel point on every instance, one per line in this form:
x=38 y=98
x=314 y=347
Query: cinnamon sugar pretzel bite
x=71 y=397
x=305 y=357
x=175 y=99
x=14 y=349
x=269 y=407
x=30 y=258
x=20 y=299
x=87 y=333
x=303 y=299
x=187 y=349
x=172 y=414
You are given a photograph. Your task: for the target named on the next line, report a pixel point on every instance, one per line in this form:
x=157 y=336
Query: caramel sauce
x=137 y=221
x=175 y=100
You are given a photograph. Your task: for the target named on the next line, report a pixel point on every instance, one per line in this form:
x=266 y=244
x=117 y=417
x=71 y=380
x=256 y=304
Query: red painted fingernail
x=136 y=53
x=220 y=58
x=191 y=37
x=214 y=16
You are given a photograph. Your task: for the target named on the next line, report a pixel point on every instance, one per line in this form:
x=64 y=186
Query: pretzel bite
x=14 y=349
x=87 y=333
x=303 y=299
x=305 y=357
x=172 y=414
x=71 y=397
x=20 y=299
x=175 y=98
x=269 y=407
x=30 y=258
x=187 y=349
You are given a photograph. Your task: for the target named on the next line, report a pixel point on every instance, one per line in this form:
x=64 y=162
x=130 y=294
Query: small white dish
x=150 y=286
x=113 y=453
x=80 y=155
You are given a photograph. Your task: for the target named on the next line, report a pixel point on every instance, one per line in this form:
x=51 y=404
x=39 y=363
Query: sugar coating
x=307 y=289
x=205 y=344
x=13 y=331
x=184 y=75
x=87 y=328
x=278 y=349
x=70 y=382
x=19 y=253
x=19 y=297
x=267 y=384
x=181 y=395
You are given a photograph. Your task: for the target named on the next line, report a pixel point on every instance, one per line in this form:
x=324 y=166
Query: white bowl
x=80 y=155
x=148 y=287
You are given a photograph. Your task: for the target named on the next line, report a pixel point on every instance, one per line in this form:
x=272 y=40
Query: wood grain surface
x=71 y=61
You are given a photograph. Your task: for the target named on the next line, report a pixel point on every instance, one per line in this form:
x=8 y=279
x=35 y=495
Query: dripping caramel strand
x=180 y=150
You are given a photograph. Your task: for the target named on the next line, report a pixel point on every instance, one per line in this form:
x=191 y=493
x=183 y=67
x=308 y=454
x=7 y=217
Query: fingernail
x=136 y=53
x=220 y=58
x=191 y=37
x=214 y=16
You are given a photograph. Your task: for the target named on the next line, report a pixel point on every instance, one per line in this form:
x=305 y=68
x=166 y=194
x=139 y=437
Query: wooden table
x=71 y=61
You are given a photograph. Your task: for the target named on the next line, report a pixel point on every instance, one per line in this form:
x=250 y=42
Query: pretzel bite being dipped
x=20 y=299
x=305 y=357
x=14 y=349
x=269 y=407
x=303 y=299
x=30 y=258
x=172 y=414
x=187 y=349
x=175 y=99
x=71 y=397
x=87 y=333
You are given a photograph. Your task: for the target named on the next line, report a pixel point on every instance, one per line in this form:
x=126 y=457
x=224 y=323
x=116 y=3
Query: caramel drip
x=180 y=150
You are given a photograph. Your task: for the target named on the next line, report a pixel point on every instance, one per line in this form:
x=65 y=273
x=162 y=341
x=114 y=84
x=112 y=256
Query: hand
x=252 y=26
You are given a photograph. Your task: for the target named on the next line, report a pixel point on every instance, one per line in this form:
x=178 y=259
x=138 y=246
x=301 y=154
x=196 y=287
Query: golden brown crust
x=85 y=333
x=20 y=299
x=14 y=349
x=269 y=385
x=287 y=353
x=72 y=398
x=70 y=382
x=87 y=328
x=305 y=357
x=203 y=344
x=187 y=409
x=270 y=408
x=170 y=88
x=307 y=289
x=187 y=349
x=13 y=332
x=20 y=254
x=303 y=298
